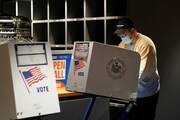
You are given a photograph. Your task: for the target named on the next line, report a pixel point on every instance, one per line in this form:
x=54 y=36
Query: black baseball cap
x=123 y=24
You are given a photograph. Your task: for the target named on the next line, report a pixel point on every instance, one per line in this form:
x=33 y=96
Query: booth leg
x=89 y=108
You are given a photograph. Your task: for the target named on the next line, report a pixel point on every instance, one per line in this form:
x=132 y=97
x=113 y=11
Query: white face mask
x=126 y=39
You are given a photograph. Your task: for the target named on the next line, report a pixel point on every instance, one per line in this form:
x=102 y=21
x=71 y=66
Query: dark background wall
x=1 y=7
x=160 y=20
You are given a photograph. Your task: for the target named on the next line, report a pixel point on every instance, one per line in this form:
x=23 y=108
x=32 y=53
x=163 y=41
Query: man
x=148 y=83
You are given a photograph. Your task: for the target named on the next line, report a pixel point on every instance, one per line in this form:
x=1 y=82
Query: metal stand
x=125 y=112
x=89 y=109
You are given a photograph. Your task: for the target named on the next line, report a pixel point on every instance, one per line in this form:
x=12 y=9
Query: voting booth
x=104 y=70
x=27 y=83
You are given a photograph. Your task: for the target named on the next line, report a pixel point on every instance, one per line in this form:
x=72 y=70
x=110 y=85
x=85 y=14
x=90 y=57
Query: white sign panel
x=33 y=79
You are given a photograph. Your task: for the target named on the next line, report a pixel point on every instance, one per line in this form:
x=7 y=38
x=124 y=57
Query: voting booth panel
x=27 y=84
x=104 y=70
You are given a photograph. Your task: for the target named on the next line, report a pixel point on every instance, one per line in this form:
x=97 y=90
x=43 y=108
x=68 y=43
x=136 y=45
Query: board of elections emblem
x=116 y=68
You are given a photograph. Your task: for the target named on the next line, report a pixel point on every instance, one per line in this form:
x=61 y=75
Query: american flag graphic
x=33 y=75
x=79 y=64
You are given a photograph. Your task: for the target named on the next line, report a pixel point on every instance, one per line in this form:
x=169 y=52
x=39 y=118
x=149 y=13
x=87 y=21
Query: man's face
x=123 y=34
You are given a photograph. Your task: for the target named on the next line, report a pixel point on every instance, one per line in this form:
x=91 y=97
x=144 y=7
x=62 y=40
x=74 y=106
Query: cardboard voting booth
x=27 y=83
x=104 y=70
